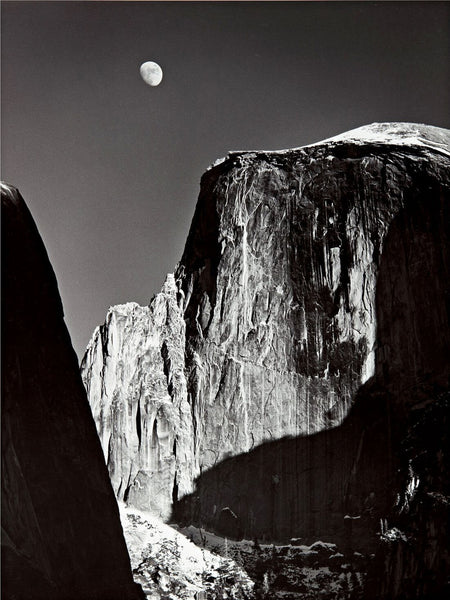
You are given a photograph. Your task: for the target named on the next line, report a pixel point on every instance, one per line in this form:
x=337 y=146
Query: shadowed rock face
x=268 y=329
x=61 y=534
x=333 y=485
x=413 y=312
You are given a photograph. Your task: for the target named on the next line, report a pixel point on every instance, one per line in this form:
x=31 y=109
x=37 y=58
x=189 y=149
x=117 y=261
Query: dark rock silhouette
x=413 y=367
x=61 y=534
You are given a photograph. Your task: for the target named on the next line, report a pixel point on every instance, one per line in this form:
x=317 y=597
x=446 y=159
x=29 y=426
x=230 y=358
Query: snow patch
x=5 y=187
x=404 y=134
x=400 y=134
x=168 y=565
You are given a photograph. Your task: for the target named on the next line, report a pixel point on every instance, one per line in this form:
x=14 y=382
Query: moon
x=151 y=73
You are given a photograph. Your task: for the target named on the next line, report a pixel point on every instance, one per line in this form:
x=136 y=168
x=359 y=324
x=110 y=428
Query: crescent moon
x=151 y=73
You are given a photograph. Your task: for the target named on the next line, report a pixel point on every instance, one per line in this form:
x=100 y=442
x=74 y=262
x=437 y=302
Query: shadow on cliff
x=303 y=486
x=337 y=484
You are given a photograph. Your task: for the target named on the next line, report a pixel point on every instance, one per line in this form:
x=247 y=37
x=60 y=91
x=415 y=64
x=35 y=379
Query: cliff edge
x=61 y=533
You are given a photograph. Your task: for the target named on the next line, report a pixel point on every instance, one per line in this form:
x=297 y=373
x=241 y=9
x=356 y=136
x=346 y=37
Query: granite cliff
x=265 y=391
x=61 y=533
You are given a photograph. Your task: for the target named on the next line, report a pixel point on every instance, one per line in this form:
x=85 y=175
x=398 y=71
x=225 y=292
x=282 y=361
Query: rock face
x=269 y=326
x=61 y=533
x=413 y=560
x=134 y=374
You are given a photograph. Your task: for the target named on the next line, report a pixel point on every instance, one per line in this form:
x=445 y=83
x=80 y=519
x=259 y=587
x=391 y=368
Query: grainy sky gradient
x=110 y=167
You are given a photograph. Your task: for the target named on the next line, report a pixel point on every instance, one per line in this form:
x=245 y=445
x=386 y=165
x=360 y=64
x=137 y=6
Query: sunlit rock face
x=268 y=328
x=134 y=374
x=61 y=533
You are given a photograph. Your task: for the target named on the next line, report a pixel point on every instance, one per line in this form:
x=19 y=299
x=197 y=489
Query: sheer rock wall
x=134 y=374
x=270 y=328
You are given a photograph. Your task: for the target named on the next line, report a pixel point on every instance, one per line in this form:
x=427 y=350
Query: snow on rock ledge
x=401 y=134
x=398 y=134
x=168 y=565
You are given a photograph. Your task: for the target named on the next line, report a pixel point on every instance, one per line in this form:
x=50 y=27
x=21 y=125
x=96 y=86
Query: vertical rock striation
x=61 y=533
x=273 y=326
x=134 y=375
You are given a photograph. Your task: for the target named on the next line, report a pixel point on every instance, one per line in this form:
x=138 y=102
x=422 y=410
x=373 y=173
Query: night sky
x=110 y=167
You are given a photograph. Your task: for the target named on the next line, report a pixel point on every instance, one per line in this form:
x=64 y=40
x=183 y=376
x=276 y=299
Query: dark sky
x=110 y=167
